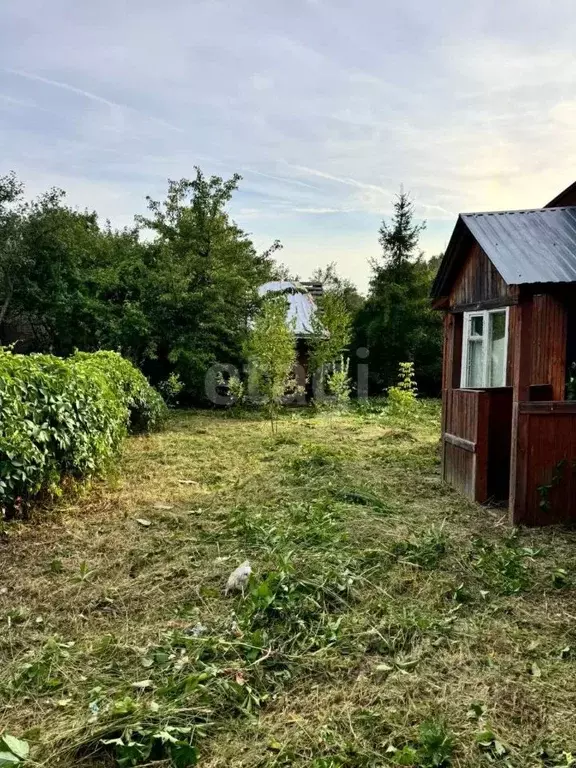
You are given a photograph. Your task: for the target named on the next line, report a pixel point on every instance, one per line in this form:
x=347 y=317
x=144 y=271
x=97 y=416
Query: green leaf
x=18 y=747
x=184 y=755
x=7 y=759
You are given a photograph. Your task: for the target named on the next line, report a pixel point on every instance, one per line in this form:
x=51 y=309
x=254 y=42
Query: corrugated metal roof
x=301 y=305
x=535 y=246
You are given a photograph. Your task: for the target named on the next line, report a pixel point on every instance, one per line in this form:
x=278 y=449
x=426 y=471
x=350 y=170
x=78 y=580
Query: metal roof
x=301 y=305
x=533 y=246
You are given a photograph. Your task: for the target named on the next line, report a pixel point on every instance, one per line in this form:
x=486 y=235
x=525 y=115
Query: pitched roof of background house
x=301 y=304
x=534 y=246
x=566 y=197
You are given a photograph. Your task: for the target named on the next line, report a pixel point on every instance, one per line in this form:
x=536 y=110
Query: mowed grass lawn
x=388 y=621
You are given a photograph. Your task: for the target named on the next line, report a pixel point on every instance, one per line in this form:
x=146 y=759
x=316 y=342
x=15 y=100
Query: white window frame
x=485 y=315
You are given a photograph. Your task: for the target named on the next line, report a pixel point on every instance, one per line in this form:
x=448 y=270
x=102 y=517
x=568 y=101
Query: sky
x=325 y=107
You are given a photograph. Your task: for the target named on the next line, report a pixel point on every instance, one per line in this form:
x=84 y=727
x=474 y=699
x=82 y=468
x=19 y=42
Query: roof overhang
x=461 y=239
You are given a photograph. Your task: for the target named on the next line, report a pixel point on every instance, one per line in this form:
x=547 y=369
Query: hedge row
x=63 y=419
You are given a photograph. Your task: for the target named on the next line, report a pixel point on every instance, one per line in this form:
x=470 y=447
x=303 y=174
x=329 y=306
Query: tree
x=333 y=283
x=203 y=274
x=400 y=238
x=175 y=304
x=271 y=353
x=331 y=333
x=397 y=323
x=10 y=253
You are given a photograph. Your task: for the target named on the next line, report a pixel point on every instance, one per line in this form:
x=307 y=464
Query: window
x=485 y=349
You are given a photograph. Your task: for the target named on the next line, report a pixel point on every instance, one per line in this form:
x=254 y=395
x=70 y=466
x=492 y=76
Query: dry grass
x=388 y=621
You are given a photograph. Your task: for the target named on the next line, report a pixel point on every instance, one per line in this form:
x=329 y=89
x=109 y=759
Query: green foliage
x=236 y=389
x=491 y=745
x=139 y=745
x=426 y=551
x=331 y=327
x=171 y=389
x=65 y=419
x=203 y=278
x=436 y=745
x=433 y=750
x=363 y=497
x=333 y=283
x=502 y=565
x=13 y=751
x=397 y=322
x=403 y=395
x=339 y=382
x=174 y=303
x=271 y=352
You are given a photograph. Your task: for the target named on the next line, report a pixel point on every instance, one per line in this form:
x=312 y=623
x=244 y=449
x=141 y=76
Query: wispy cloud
x=338 y=179
x=90 y=96
x=282 y=179
x=470 y=106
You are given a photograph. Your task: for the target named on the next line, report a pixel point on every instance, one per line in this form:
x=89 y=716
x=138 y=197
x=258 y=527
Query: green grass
x=388 y=621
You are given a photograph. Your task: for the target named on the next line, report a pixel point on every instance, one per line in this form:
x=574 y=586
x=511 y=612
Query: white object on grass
x=239 y=578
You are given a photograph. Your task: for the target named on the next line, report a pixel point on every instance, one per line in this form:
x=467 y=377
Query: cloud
x=88 y=95
x=470 y=106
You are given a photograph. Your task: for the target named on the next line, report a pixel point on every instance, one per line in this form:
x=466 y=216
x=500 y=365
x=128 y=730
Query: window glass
x=475 y=372
x=476 y=325
x=485 y=349
x=497 y=349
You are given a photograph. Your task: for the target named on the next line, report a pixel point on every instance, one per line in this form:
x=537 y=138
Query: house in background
x=301 y=308
x=507 y=286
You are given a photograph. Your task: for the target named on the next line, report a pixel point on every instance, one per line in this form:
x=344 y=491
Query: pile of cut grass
x=387 y=622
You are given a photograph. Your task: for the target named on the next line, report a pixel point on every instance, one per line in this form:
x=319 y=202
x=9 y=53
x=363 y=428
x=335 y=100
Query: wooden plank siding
x=548 y=333
x=478 y=281
x=452 y=359
x=546 y=458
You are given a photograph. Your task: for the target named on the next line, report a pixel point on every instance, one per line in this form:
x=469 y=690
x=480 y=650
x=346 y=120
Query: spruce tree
x=397 y=323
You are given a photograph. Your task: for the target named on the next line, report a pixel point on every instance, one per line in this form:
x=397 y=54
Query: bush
x=66 y=419
x=403 y=396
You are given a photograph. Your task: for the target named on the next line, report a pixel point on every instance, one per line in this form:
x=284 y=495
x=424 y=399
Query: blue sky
x=324 y=106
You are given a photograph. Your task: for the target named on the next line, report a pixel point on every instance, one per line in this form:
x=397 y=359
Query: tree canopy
x=176 y=302
x=175 y=292
x=397 y=323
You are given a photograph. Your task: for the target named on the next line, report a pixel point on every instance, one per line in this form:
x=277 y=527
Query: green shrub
x=403 y=395
x=66 y=419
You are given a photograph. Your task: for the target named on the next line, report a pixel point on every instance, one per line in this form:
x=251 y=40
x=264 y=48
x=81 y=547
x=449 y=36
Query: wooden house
x=507 y=287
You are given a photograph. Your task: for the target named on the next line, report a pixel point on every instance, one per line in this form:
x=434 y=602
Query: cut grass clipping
x=385 y=621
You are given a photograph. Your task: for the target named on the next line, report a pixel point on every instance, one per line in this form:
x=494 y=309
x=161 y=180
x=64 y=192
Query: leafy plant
x=331 y=334
x=139 y=744
x=502 y=565
x=363 y=497
x=13 y=751
x=339 y=382
x=403 y=396
x=425 y=551
x=271 y=352
x=491 y=745
x=64 y=420
x=433 y=749
x=171 y=389
x=436 y=745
